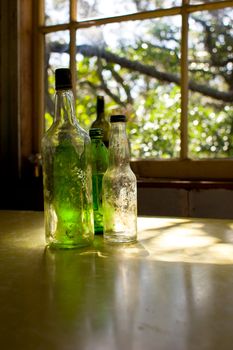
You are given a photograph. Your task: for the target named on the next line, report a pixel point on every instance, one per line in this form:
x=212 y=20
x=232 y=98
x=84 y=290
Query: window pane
x=211 y=74
x=88 y=9
x=195 y=2
x=135 y=66
x=57 y=56
x=56 y=11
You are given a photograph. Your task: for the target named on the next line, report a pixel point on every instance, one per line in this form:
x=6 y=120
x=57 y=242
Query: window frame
x=181 y=168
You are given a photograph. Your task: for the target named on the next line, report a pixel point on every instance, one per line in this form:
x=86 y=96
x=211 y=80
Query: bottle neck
x=64 y=107
x=100 y=108
x=96 y=140
x=100 y=115
x=118 y=147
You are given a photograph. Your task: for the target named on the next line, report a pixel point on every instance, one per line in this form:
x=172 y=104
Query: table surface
x=173 y=289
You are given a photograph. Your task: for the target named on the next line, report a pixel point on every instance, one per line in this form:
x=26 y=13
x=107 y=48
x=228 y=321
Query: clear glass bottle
x=101 y=121
x=66 y=156
x=99 y=166
x=119 y=188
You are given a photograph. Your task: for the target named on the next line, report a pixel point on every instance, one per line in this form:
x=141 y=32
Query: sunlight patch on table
x=189 y=242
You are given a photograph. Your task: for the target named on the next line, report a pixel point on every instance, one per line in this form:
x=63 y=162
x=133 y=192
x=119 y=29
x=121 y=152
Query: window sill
x=190 y=171
x=184 y=184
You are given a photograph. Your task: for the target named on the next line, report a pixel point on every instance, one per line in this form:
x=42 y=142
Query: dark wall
x=9 y=101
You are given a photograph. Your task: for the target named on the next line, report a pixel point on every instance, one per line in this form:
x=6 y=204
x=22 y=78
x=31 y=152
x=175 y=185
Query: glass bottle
x=101 y=121
x=119 y=188
x=99 y=166
x=66 y=156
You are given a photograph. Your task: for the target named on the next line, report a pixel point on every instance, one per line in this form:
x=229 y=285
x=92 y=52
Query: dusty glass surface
x=66 y=155
x=119 y=190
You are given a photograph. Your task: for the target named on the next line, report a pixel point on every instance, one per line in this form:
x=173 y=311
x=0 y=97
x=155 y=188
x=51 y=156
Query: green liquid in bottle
x=71 y=202
x=67 y=174
x=70 y=207
x=97 y=202
x=99 y=166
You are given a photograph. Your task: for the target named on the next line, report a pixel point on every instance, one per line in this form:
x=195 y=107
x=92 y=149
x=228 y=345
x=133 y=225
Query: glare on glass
x=56 y=11
x=135 y=65
x=89 y=9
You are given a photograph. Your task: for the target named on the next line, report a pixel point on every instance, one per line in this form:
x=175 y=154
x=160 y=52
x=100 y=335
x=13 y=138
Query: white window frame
x=182 y=168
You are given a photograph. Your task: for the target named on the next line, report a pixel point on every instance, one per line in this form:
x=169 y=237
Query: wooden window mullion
x=184 y=83
x=73 y=19
x=38 y=74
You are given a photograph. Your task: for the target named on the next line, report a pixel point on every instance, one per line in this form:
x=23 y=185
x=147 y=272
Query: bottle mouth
x=96 y=133
x=63 y=79
x=118 y=118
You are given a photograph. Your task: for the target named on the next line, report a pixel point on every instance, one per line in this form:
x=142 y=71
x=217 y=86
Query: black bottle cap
x=63 y=79
x=96 y=132
x=100 y=104
x=117 y=118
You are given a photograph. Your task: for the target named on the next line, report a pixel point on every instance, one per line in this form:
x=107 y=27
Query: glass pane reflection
x=88 y=9
x=56 y=11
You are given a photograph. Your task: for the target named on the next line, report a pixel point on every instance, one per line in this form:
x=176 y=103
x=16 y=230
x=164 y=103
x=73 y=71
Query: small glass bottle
x=101 y=121
x=99 y=166
x=66 y=156
x=119 y=188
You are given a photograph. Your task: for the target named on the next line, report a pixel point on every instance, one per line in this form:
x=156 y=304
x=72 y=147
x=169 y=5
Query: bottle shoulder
x=101 y=123
x=66 y=138
x=99 y=146
x=67 y=131
x=116 y=173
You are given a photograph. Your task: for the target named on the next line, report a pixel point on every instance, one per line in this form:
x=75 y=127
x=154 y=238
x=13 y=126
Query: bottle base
x=98 y=231
x=119 y=237
x=55 y=245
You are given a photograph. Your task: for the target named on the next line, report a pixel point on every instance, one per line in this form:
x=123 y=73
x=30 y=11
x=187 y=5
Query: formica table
x=173 y=289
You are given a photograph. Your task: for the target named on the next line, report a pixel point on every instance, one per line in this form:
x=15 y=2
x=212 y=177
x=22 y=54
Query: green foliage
x=210 y=129
x=153 y=107
x=155 y=131
x=48 y=120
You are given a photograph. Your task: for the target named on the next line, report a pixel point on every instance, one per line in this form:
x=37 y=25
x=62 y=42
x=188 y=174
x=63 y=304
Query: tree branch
x=104 y=85
x=121 y=81
x=148 y=70
x=94 y=87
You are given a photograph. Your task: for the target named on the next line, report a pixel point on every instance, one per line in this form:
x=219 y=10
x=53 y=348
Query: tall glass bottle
x=101 y=121
x=99 y=166
x=119 y=188
x=66 y=157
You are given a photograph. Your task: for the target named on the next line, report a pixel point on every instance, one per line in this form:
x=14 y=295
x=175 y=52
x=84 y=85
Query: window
x=168 y=65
